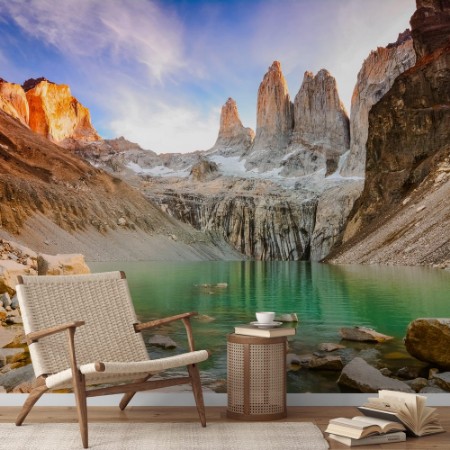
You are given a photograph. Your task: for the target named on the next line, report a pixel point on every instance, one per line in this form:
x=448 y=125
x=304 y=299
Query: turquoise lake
x=325 y=298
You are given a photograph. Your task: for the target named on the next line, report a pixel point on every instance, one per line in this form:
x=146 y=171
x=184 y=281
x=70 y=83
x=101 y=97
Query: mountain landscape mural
x=323 y=210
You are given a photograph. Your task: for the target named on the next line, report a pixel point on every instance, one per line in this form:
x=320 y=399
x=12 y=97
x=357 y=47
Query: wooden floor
x=318 y=415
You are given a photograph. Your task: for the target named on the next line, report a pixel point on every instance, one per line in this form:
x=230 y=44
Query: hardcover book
x=387 y=438
x=253 y=330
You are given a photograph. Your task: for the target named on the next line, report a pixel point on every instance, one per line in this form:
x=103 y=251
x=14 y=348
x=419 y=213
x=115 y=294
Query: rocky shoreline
x=16 y=372
x=426 y=341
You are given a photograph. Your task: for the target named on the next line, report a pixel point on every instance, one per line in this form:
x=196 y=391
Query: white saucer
x=266 y=325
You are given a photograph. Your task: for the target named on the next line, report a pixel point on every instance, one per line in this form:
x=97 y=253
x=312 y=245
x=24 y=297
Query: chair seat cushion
x=123 y=371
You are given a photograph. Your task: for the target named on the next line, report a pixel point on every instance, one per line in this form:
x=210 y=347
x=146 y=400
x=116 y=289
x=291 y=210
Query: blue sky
x=158 y=72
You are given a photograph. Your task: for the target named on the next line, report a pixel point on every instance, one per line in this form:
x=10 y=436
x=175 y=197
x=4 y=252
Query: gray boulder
x=418 y=383
x=359 y=375
x=325 y=362
x=363 y=334
x=17 y=376
x=5 y=300
x=165 y=342
x=6 y=336
x=316 y=361
x=330 y=347
x=432 y=390
x=443 y=380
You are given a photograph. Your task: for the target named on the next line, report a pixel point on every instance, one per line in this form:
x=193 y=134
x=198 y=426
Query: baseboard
x=211 y=399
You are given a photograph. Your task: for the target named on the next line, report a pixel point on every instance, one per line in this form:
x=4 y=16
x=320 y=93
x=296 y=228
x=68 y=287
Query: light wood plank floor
x=318 y=415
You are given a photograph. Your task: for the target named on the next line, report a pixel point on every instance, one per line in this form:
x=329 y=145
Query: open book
x=409 y=409
x=361 y=426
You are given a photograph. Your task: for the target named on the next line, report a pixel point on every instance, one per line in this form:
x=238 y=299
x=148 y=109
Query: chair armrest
x=34 y=336
x=155 y=323
x=185 y=318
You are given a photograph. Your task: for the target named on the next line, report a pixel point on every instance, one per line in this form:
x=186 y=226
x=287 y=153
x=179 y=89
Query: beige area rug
x=165 y=436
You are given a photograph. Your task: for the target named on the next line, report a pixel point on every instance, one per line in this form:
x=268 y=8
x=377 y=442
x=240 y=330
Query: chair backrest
x=101 y=300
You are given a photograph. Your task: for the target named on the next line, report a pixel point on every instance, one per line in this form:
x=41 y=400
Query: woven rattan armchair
x=82 y=331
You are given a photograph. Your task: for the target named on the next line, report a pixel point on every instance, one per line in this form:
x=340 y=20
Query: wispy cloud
x=117 y=32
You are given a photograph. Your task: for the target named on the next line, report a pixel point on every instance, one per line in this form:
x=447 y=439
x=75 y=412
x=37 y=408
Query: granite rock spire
x=233 y=137
x=274 y=117
x=319 y=115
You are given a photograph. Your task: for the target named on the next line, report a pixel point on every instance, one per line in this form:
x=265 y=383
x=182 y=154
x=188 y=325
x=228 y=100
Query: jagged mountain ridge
x=271 y=197
x=262 y=208
x=281 y=205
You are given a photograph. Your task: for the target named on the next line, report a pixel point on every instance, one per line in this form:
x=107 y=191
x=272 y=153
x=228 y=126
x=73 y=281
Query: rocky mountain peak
x=276 y=67
x=274 y=109
x=56 y=114
x=319 y=115
x=402 y=37
x=430 y=26
x=274 y=116
x=229 y=115
x=233 y=137
x=33 y=82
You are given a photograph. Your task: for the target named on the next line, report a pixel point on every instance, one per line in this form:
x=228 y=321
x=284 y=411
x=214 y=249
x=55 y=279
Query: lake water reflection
x=325 y=297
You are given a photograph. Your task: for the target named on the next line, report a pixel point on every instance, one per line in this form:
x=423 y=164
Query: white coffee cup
x=265 y=317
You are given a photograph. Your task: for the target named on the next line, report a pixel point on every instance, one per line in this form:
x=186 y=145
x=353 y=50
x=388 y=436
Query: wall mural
x=340 y=220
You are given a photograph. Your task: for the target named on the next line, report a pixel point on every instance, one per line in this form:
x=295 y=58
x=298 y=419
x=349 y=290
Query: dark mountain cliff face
x=409 y=128
x=263 y=227
x=430 y=26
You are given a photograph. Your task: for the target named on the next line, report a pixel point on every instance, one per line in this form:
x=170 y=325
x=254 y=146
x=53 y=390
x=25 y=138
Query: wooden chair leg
x=198 y=393
x=79 y=389
x=31 y=400
x=129 y=395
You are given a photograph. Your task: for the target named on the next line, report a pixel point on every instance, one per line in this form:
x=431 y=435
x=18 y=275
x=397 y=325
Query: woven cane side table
x=256 y=377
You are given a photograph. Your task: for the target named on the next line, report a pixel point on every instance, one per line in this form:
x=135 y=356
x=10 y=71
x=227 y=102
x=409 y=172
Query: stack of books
x=387 y=418
x=362 y=430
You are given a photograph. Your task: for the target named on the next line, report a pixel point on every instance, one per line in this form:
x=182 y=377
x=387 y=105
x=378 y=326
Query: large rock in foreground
x=70 y=264
x=360 y=375
x=429 y=340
